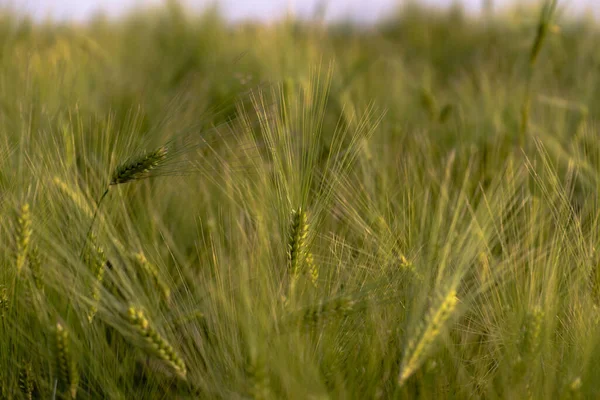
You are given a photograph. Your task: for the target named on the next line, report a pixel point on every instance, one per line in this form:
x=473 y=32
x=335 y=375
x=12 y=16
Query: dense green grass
x=402 y=211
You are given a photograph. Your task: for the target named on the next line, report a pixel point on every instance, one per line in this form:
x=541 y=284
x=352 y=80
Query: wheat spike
x=323 y=311
x=297 y=244
x=76 y=197
x=3 y=302
x=35 y=264
x=531 y=329
x=312 y=270
x=259 y=378
x=157 y=344
x=26 y=382
x=152 y=271
x=96 y=260
x=434 y=323
x=67 y=369
x=138 y=168
x=23 y=236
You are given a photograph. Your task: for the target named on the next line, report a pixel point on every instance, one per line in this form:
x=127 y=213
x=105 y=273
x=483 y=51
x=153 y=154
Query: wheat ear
x=312 y=269
x=96 y=259
x=434 y=323
x=138 y=168
x=23 y=235
x=157 y=344
x=26 y=382
x=298 y=233
x=152 y=271
x=65 y=364
x=529 y=341
x=35 y=264
x=4 y=302
x=322 y=311
x=256 y=370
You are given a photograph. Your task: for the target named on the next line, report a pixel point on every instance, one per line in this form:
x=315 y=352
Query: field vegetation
x=300 y=210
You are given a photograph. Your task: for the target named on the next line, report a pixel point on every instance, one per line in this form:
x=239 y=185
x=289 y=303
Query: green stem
x=87 y=235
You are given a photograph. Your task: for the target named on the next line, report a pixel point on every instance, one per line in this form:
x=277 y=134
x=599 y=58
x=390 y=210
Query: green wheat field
x=193 y=209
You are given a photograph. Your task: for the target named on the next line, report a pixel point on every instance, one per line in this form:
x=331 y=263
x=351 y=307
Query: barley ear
x=324 y=311
x=419 y=347
x=138 y=168
x=259 y=379
x=96 y=260
x=35 y=264
x=4 y=302
x=531 y=332
x=151 y=270
x=26 y=381
x=312 y=269
x=156 y=343
x=66 y=368
x=298 y=233
x=23 y=235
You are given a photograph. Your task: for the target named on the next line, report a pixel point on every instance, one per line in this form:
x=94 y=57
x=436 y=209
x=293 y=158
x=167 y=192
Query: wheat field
x=193 y=209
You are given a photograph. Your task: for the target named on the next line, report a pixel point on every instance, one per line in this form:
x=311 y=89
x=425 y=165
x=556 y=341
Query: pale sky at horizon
x=365 y=10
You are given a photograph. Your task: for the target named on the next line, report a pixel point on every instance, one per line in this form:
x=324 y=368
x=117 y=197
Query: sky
x=364 y=10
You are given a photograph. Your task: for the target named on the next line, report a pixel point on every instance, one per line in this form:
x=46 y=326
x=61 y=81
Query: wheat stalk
x=157 y=344
x=544 y=24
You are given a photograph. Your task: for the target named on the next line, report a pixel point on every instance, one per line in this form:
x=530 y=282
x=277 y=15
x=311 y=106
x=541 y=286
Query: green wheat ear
x=96 y=260
x=138 y=168
x=531 y=332
x=258 y=374
x=26 y=381
x=156 y=343
x=68 y=376
x=4 y=302
x=324 y=311
x=23 y=235
x=35 y=264
x=298 y=233
x=151 y=270
x=312 y=269
x=419 y=347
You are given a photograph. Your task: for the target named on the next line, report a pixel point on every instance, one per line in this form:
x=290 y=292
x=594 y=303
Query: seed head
x=139 y=168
